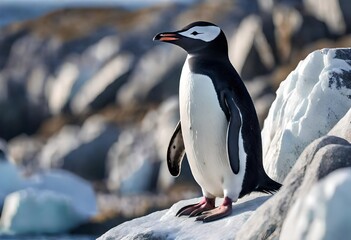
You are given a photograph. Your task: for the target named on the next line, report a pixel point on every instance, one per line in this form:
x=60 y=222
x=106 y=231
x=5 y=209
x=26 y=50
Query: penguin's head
x=197 y=37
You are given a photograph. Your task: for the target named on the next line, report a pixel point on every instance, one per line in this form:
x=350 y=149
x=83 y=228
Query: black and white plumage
x=218 y=128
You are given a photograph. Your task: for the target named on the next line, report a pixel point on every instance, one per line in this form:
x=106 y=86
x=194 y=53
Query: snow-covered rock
x=78 y=190
x=10 y=177
x=38 y=211
x=324 y=213
x=53 y=202
x=165 y=225
x=313 y=98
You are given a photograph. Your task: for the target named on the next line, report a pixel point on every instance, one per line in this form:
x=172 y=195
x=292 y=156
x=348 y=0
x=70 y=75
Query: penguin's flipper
x=234 y=125
x=175 y=151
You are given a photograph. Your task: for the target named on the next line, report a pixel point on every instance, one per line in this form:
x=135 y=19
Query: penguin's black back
x=224 y=76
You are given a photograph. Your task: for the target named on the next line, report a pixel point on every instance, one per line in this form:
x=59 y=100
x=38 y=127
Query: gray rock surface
x=134 y=160
x=343 y=127
x=321 y=157
x=155 y=77
x=323 y=213
x=82 y=151
x=333 y=13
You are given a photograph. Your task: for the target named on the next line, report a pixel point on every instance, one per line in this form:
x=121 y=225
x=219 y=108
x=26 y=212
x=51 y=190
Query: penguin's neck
x=208 y=57
x=210 y=54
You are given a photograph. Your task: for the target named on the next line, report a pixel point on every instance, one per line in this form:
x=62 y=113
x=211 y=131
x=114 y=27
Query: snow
x=49 y=202
x=324 y=213
x=312 y=99
x=165 y=225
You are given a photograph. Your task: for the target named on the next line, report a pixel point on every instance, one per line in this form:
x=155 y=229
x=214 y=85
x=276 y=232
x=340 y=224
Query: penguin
x=218 y=128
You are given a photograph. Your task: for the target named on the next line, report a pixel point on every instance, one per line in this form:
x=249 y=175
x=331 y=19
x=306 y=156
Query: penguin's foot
x=222 y=211
x=193 y=210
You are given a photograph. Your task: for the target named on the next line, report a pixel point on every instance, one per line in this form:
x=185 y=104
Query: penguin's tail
x=268 y=185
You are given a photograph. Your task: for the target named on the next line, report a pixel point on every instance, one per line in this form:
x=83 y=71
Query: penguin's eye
x=195 y=33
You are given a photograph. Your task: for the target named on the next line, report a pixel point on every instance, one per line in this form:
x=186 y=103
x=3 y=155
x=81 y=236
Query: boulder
x=321 y=157
x=165 y=225
x=134 y=160
x=343 y=127
x=333 y=13
x=254 y=56
x=101 y=88
x=155 y=77
x=323 y=213
x=82 y=151
x=23 y=149
x=312 y=99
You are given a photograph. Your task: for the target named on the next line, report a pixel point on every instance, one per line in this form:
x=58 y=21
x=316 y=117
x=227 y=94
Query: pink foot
x=220 y=212
x=192 y=210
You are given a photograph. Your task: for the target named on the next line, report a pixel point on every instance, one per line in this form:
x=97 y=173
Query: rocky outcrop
x=320 y=158
x=343 y=127
x=81 y=150
x=323 y=213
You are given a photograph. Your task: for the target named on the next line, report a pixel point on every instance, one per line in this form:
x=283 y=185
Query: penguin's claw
x=196 y=209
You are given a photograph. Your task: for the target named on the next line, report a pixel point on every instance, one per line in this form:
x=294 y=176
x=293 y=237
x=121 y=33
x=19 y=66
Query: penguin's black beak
x=167 y=37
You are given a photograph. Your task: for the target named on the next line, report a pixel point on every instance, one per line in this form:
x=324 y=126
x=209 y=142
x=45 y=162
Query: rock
x=321 y=157
x=334 y=14
x=88 y=80
x=343 y=127
x=155 y=77
x=165 y=225
x=303 y=110
x=254 y=56
x=135 y=159
x=132 y=163
x=262 y=95
x=100 y=89
x=24 y=149
x=82 y=151
x=324 y=212
x=53 y=202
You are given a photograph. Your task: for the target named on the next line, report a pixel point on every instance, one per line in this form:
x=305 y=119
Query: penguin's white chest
x=204 y=129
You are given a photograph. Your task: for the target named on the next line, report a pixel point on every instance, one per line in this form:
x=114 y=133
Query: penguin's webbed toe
x=196 y=209
x=220 y=212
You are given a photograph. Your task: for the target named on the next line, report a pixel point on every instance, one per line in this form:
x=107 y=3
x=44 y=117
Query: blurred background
x=84 y=88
